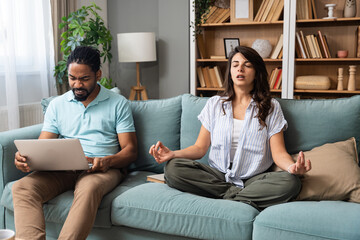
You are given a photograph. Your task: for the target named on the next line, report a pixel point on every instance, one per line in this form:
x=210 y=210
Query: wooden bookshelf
x=340 y=34
x=247 y=32
x=222 y=89
x=225 y=60
x=206 y=25
x=328 y=60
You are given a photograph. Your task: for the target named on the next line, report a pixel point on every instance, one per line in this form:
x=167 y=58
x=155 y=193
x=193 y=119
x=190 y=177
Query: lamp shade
x=136 y=47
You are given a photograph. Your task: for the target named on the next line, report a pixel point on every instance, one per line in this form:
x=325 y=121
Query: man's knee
x=23 y=186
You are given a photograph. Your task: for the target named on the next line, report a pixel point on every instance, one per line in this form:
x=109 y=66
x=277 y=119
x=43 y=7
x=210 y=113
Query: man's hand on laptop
x=99 y=164
x=20 y=163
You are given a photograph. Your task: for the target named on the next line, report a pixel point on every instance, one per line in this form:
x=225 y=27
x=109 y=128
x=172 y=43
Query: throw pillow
x=335 y=174
x=45 y=103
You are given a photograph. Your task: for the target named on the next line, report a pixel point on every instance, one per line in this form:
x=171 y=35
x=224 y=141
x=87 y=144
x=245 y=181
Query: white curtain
x=26 y=58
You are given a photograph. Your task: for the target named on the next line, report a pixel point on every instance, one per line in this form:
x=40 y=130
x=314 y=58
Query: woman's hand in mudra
x=161 y=153
x=301 y=166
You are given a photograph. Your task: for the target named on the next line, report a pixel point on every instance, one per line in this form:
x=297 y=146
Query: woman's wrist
x=288 y=169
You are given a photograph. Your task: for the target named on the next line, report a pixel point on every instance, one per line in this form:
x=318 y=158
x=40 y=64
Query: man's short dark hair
x=85 y=55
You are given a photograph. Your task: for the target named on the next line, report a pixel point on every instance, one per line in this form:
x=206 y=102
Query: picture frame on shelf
x=230 y=44
x=241 y=11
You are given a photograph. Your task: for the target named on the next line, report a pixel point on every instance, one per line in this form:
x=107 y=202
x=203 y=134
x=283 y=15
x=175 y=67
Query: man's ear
x=98 y=75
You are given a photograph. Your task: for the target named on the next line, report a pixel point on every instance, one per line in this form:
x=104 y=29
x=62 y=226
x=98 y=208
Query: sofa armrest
x=8 y=171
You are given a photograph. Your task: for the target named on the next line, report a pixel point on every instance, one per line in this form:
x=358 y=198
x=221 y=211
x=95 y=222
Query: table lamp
x=137 y=47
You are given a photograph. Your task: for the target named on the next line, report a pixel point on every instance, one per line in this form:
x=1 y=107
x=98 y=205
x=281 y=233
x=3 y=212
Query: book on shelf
x=297 y=49
x=313 y=8
x=302 y=11
x=157 y=178
x=221 y=11
x=358 y=42
x=305 y=9
x=279 y=10
x=200 y=77
x=217 y=57
x=280 y=54
x=272 y=78
x=213 y=79
x=278 y=47
x=301 y=46
x=219 y=76
x=207 y=79
x=225 y=17
x=309 y=10
x=267 y=10
x=278 y=78
x=322 y=43
x=304 y=43
x=201 y=46
x=317 y=46
x=215 y=15
x=327 y=46
x=313 y=42
x=272 y=11
x=311 y=45
x=260 y=11
x=207 y=14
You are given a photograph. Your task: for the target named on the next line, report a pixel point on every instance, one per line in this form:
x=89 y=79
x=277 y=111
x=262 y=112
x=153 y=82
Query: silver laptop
x=53 y=154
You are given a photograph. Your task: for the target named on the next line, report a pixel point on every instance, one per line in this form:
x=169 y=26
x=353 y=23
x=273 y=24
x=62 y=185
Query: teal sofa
x=137 y=209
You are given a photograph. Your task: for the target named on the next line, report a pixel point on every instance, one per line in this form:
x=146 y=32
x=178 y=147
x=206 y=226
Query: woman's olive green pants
x=260 y=191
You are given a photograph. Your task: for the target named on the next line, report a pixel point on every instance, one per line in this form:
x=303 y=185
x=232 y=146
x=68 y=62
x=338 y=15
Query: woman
x=244 y=129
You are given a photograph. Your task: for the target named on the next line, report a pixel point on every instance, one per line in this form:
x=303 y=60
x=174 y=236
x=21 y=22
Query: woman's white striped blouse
x=253 y=155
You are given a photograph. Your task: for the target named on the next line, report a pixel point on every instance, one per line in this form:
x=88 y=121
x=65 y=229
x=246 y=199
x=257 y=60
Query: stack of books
x=305 y=9
x=216 y=15
x=275 y=78
x=312 y=45
x=210 y=77
x=269 y=11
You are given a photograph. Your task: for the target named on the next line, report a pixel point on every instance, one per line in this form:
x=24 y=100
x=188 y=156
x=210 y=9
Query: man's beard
x=82 y=97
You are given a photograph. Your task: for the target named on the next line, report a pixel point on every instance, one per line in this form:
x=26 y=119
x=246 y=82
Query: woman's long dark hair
x=261 y=91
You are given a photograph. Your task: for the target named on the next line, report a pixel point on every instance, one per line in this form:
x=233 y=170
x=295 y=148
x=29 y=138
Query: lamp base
x=139 y=93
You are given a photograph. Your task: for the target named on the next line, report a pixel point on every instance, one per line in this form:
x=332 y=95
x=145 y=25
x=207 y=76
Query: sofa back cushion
x=313 y=123
x=155 y=120
x=190 y=125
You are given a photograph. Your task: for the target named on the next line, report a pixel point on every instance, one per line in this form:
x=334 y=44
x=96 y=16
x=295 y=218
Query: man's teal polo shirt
x=96 y=126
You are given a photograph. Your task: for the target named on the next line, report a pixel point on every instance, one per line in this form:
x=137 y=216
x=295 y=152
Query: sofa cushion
x=57 y=209
x=45 y=103
x=335 y=174
x=313 y=123
x=190 y=125
x=308 y=220
x=155 y=120
x=183 y=214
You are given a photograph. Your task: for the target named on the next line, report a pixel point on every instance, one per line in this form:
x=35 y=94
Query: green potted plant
x=84 y=27
x=201 y=9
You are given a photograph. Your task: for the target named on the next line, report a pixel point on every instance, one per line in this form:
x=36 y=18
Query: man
x=103 y=122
